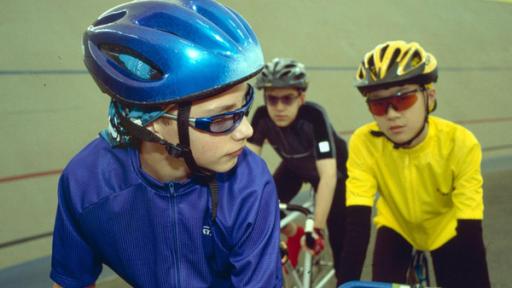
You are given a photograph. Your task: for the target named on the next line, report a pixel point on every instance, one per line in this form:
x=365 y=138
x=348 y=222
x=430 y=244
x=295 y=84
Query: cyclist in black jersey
x=311 y=151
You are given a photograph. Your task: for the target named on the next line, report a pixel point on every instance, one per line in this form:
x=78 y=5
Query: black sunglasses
x=287 y=100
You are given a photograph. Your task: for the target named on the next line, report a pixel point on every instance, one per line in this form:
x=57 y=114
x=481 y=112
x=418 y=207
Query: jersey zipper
x=413 y=193
x=283 y=140
x=174 y=232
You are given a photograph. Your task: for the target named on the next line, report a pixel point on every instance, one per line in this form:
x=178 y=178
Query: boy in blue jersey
x=425 y=169
x=311 y=151
x=168 y=196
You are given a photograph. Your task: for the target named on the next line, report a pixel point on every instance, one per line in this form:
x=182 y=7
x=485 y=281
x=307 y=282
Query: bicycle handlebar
x=309 y=225
x=294 y=207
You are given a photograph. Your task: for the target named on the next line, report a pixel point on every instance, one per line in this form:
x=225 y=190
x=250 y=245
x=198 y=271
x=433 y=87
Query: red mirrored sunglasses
x=400 y=101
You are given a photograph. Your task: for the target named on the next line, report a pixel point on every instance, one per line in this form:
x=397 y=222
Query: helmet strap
x=183 y=127
x=204 y=174
x=179 y=150
x=144 y=134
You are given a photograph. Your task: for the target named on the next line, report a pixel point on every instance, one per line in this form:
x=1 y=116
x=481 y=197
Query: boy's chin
x=396 y=139
x=225 y=167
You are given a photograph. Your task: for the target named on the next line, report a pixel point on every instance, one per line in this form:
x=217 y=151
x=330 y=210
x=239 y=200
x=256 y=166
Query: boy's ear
x=302 y=97
x=151 y=127
x=432 y=101
x=157 y=126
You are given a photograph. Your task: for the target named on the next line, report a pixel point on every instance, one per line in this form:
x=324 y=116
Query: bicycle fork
x=308 y=263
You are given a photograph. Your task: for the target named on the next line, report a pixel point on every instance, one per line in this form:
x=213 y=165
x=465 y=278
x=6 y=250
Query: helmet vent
x=416 y=59
x=393 y=61
x=110 y=18
x=371 y=66
x=132 y=64
x=164 y=23
x=395 y=55
x=360 y=73
x=181 y=29
x=383 y=51
x=227 y=27
x=285 y=74
x=276 y=63
x=299 y=76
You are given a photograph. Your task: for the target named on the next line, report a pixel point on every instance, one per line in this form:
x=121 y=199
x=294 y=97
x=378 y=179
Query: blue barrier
x=368 y=284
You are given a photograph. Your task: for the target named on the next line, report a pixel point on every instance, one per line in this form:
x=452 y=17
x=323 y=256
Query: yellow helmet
x=395 y=63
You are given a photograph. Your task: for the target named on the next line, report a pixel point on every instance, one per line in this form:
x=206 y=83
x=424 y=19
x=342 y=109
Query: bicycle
x=311 y=264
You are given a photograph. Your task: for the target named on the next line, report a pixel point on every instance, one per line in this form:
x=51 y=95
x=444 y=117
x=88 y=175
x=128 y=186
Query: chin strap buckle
x=175 y=150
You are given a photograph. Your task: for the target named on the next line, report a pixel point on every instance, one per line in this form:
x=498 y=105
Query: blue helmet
x=150 y=53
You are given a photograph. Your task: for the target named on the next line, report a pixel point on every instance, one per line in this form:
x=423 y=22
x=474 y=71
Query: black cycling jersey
x=310 y=137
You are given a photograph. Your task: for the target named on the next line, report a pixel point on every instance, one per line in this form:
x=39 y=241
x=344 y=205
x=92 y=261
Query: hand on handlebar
x=313 y=242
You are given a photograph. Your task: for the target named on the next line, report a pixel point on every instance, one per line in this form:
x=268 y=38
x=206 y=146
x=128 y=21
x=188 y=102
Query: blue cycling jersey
x=155 y=234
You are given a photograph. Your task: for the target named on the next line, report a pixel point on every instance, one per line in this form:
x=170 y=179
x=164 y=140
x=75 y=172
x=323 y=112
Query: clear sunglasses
x=223 y=122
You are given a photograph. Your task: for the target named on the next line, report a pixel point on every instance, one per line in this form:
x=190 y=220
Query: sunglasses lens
x=405 y=101
x=287 y=100
x=227 y=123
x=272 y=100
x=223 y=124
x=379 y=107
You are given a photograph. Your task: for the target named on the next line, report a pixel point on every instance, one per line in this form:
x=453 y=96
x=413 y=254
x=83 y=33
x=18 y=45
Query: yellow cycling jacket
x=422 y=190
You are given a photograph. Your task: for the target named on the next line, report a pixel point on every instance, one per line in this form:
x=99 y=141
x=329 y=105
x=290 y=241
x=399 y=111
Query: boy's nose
x=280 y=105
x=392 y=113
x=243 y=131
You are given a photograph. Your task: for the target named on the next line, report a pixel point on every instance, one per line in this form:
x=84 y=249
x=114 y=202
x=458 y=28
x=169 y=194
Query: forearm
x=323 y=200
x=472 y=257
x=356 y=242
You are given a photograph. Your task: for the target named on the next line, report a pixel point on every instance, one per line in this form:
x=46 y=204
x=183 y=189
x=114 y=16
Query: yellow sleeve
x=468 y=193
x=361 y=184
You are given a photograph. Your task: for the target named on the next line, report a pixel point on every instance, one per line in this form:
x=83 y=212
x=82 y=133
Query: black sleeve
x=323 y=133
x=258 y=125
x=341 y=155
x=356 y=242
x=471 y=244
